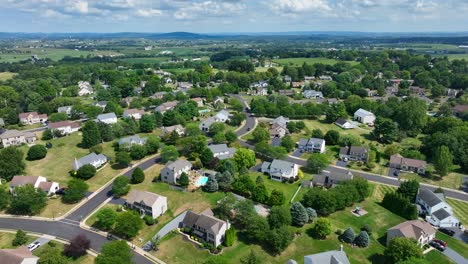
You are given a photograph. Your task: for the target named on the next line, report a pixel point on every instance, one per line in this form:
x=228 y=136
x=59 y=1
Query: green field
x=152 y=59
x=53 y=54
x=461 y=210
x=6 y=75
x=454 y=56
x=300 y=61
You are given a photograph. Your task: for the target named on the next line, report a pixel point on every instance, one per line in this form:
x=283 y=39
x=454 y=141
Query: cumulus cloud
x=148 y=12
x=196 y=10
x=300 y=6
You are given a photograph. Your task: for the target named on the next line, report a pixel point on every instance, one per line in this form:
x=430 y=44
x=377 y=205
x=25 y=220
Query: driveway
x=41 y=240
x=454 y=256
x=173 y=224
x=391 y=172
x=341 y=163
x=460 y=235
x=297 y=153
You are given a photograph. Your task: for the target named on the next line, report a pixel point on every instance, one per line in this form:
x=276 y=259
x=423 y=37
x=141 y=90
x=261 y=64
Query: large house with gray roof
x=132 y=140
x=439 y=213
x=206 y=227
x=328 y=257
x=364 y=116
x=38 y=182
x=312 y=145
x=222 y=151
x=280 y=170
x=109 y=118
x=354 y=153
x=221 y=117
x=15 y=137
x=97 y=160
x=405 y=164
x=328 y=179
x=173 y=169
x=147 y=203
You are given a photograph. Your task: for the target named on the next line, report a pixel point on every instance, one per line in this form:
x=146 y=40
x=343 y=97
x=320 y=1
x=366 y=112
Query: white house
x=132 y=140
x=260 y=91
x=164 y=107
x=65 y=127
x=133 y=113
x=312 y=94
x=343 y=123
x=280 y=170
x=180 y=130
x=206 y=227
x=221 y=151
x=92 y=158
x=171 y=173
x=65 y=109
x=16 y=137
x=20 y=255
x=109 y=118
x=84 y=88
x=421 y=231
x=312 y=145
x=439 y=213
x=147 y=203
x=364 y=116
x=38 y=182
x=221 y=117
x=199 y=101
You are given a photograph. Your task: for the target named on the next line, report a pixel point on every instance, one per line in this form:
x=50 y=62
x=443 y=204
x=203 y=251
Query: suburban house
x=287 y=79
x=132 y=140
x=158 y=95
x=312 y=145
x=416 y=229
x=184 y=85
x=173 y=169
x=312 y=94
x=147 y=203
x=260 y=91
x=133 y=113
x=282 y=121
x=439 y=213
x=180 y=130
x=278 y=131
x=328 y=179
x=286 y=92
x=460 y=110
x=20 y=255
x=280 y=170
x=84 y=88
x=328 y=257
x=354 y=153
x=364 y=116
x=417 y=90
x=221 y=117
x=101 y=104
x=260 y=84
x=38 y=182
x=109 y=118
x=65 y=127
x=65 y=109
x=205 y=226
x=309 y=78
x=97 y=160
x=164 y=107
x=325 y=78
x=15 y=137
x=221 y=151
x=218 y=100
x=343 y=123
x=32 y=118
x=199 y=101
x=405 y=164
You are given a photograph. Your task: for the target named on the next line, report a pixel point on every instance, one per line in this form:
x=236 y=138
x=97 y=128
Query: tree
x=115 y=252
x=409 y=189
x=299 y=214
x=260 y=194
x=312 y=214
x=317 y=133
x=47 y=135
x=252 y=258
x=138 y=175
x=36 y=152
x=244 y=158
x=400 y=205
x=169 y=153
x=385 y=130
x=128 y=224
x=75 y=191
x=317 y=162
x=278 y=239
x=324 y=202
x=86 y=171
x=4 y=198
x=154 y=242
x=443 y=160
x=276 y=198
x=11 y=163
x=152 y=144
x=211 y=185
x=105 y=130
x=138 y=152
x=322 y=228
x=206 y=156
x=52 y=255
x=288 y=143
x=147 y=123
x=20 y=238
x=106 y=218
x=184 y=180
x=279 y=216
x=230 y=237
x=402 y=249
x=260 y=134
x=332 y=137
x=411 y=115
x=91 y=134
x=120 y=186
x=225 y=207
x=230 y=136
x=123 y=158
x=414 y=260
x=362 y=240
x=225 y=180
x=77 y=247
x=348 y=235
x=27 y=200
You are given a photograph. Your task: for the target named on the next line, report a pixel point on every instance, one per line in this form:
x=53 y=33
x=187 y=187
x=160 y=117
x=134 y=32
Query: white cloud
x=148 y=12
x=209 y=9
x=300 y=6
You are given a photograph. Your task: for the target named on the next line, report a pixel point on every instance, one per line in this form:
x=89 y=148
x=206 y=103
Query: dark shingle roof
x=429 y=197
x=441 y=214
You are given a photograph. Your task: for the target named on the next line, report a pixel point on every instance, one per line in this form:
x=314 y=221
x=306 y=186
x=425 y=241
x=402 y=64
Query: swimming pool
x=202 y=181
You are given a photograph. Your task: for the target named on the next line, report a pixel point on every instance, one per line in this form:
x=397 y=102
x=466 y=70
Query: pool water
x=202 y=181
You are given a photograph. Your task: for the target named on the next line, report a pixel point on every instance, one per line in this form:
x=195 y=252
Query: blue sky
x=233 y=15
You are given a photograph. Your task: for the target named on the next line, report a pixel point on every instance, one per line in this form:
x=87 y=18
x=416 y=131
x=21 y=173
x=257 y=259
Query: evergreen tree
x=299 y=214
x=183 y=180
x=312 y=214
x=20 y=238
x=276 y=197
x=260 y=194
x=105 y=131
x=91 y=134
x=158 y=118
x=230 y=237
x=206 y=156
x=279 y=216
x=348 y=235
x=211 y=185
x=362 y=240
x=11 y=163
x=443 y=160
x=147 y=123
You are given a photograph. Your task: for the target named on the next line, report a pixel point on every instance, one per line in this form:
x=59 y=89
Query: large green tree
x=443 y=160
x=411 y=115
x=128 y=224
x=106 y=218
x=27 y=200
x=385 y=130
x=244 y=158
x=11 y=163
x=169 y=153
x=115 y=252
x=279 y=216
x=299 y=214
x=402 y=249
x=75 y=191
x=91 y=134
x=52 y=255
x=322 y=228
x=120 y=186
x=317 y=162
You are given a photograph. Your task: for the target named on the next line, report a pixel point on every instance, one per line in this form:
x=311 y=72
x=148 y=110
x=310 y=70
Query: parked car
x=34 y=245
x=396 y=173
x=447 y=231
x=466 y=231
x=443 y=243
x=437 y=245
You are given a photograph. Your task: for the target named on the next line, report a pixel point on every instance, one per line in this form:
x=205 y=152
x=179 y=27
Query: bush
x=322 y=228
x=75 y=191
x=96 y=149
x=20 y=238
x=339 y=232
x=120 y=186
x=367 y=228
x=86 y=172
x=138 y=176
x=348 y=236
x=52 y=243
x=312 y=214
x=36 y=152
x=230 y=237
x=148 y=220
x=362 y=240
x=299 y=214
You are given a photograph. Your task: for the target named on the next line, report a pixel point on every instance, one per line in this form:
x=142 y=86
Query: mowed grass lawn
x=461 y=210
x=452 y=180
x=300 y=61
x=378 y=218
x=6 y=75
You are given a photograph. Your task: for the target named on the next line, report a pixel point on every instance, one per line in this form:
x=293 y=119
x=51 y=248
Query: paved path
x=454 y=256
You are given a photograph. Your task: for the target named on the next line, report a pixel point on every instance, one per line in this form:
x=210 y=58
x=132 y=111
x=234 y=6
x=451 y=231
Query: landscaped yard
x=7 y=238
x=455 y=244
x=461 y=210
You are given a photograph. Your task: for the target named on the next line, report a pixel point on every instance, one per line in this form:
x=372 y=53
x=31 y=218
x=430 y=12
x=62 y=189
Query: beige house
x=206 y=227
x=405 y=164
x=20 y=255
x=15 y=138
x=171 y=173
x=133 y=113
x=38 y=182
x=32 y=118
x=421 y=231
x=147 y=203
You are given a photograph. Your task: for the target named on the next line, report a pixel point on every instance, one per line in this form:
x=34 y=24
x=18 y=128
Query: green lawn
x=6 y=75
x=51 y=53
x=459 y=246
x=288 y=189
x=7 y=238
x=86 y=259
x=452 y=181
x=300 y=61
x=461 y=210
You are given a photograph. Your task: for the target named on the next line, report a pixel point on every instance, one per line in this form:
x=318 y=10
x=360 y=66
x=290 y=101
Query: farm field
x=300 y=61
x=51 y=53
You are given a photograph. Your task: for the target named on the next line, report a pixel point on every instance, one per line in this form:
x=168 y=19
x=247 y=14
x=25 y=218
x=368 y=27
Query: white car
x=34 y=245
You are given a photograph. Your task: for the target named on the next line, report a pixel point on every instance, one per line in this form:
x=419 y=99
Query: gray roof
x=222 y=148
x=281 y=121
x=441 y=214
x=178 y=164
x=64 y=108
x=341 y=121
x=362 y=112
x=135 y=139
x=281 y=166
x=16 y=133
x=147 y=198
x=329 y=257
x=325 y=177
x=88 y=159
x=204 y=221
x=106 y=116
x=429 y=197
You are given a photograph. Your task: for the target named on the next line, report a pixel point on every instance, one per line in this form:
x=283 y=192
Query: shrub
x=36 y=152
x=230 y=237
x=86 y=172
x=362 y=240
x=120 y=186
x=348 y=235
x=138 y=176
x=52 y=243
x=20 y=238
x=96 y=149
x=322 y=228
x=299 y=214
x=367 y=228
x=339 y=232
x=148 y=220
x=312 y=214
